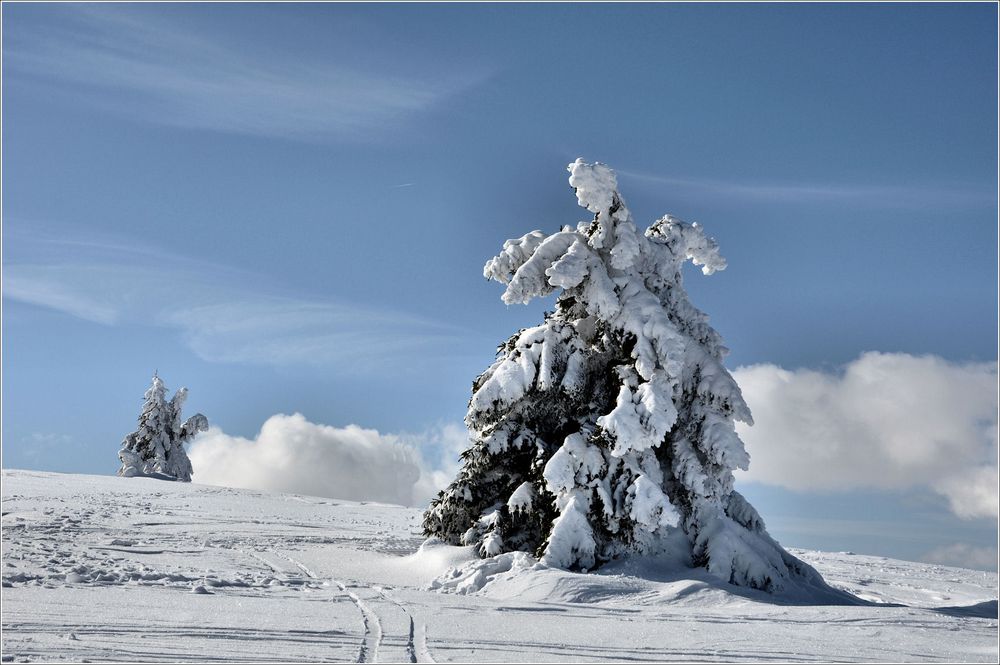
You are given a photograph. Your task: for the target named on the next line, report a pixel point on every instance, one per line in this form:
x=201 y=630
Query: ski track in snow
x=366 y=654
x=111 y=569
x=376 y=646
x=369 y=647
x=397 y=645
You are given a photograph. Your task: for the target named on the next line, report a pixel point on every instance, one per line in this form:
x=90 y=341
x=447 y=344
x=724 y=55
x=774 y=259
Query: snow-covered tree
x=613 y=422
x=157 y=446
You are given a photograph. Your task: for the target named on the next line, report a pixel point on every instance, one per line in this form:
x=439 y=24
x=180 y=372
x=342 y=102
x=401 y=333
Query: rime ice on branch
x=157 y=446
x=613 y=422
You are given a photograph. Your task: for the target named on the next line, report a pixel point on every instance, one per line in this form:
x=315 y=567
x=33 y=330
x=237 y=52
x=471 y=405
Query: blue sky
x=287 y=208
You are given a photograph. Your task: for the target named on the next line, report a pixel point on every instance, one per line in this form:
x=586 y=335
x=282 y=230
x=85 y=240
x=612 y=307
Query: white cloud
x=963 y=555
x=887 y=421
x=291 y=454
x=166 y=72
x=440 y=448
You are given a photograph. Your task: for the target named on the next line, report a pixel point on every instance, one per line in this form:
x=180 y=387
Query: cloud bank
x=291 y=454
x=887 y=421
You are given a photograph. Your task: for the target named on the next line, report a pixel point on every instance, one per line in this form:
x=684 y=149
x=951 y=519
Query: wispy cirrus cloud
x=222 y=314
x=878 y=196
x=141 y=64
x=285 y=331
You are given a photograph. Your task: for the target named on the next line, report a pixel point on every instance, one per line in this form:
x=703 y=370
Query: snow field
x=117 y=569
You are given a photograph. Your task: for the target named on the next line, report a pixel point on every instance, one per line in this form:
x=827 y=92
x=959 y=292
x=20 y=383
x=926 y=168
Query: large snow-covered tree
x=157 y=445
x=612 y=423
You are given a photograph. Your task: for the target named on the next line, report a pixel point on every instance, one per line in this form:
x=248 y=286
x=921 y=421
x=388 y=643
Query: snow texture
x=610 y=425
x=156 y=448
x=106 y=569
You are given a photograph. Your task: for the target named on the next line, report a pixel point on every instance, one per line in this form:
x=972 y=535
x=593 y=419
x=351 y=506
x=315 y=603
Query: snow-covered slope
x=106 y=568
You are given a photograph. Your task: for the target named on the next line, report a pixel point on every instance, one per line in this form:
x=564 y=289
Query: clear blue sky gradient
x=338 y=174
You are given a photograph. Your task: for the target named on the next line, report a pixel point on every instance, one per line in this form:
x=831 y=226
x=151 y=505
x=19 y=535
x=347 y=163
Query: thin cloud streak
x=40 y=285
x=963 y=555
x=288 y=331
x=172 y=76
x=843 y=528
x=876 y=196
x=223 y=315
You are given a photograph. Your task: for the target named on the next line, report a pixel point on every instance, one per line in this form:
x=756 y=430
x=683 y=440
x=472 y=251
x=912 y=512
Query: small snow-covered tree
x=157 y=446
x=613 y=422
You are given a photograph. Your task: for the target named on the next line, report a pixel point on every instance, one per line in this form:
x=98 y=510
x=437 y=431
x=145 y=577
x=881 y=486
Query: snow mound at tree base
x=132 y=472
x=666 y=577
x=475 y=575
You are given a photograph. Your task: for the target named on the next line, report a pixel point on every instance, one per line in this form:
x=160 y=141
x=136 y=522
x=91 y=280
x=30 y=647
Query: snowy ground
x=105 y=568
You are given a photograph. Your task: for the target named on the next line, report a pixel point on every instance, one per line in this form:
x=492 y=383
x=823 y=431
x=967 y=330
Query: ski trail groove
x=416 y=644
x=411 y=652
x=423 y=653
x=406 y=642
x=368 y=653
